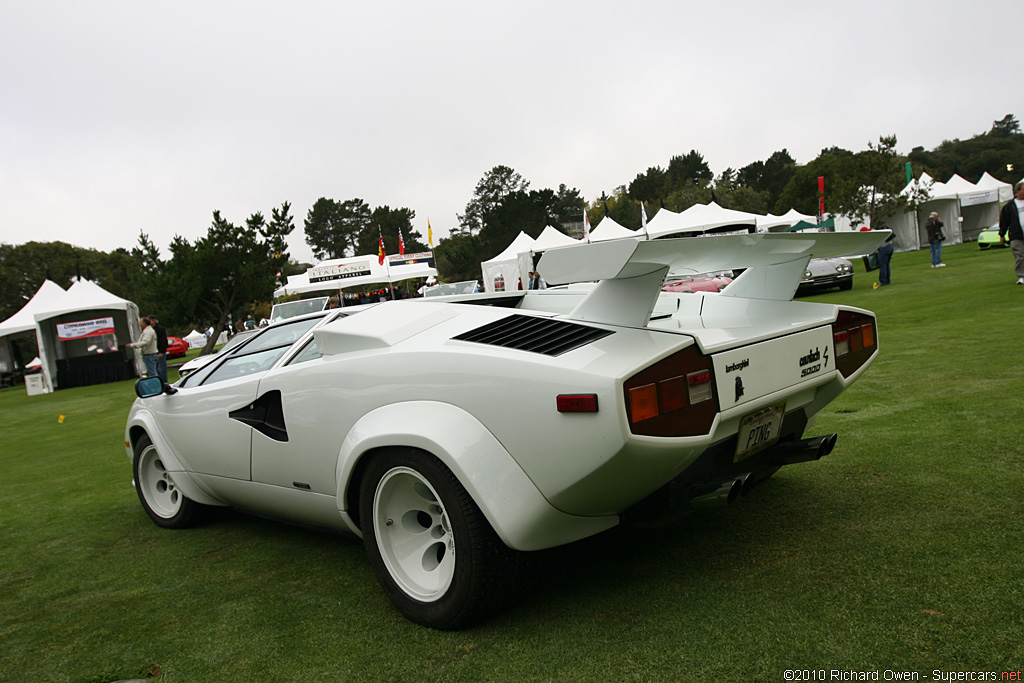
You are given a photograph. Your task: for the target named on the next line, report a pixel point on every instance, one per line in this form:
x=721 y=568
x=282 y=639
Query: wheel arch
x=142 y=423
x=513 y=505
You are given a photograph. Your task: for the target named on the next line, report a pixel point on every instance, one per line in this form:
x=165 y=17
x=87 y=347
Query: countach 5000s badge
x=813 y=362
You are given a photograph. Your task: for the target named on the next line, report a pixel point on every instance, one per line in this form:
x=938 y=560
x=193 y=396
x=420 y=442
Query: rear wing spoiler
x=630 y=272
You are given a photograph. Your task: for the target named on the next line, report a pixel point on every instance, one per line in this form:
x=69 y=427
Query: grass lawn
x=901 y=551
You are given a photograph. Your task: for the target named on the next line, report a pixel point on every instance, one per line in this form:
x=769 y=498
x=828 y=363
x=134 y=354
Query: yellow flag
x=430 y=235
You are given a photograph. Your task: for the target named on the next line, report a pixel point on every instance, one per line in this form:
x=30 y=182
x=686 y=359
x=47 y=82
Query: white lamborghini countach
x=454 y=433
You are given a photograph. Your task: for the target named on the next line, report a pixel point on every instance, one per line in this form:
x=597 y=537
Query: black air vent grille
x=539 y=335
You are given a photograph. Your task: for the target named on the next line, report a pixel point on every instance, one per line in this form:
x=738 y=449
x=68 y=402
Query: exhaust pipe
x=726 y=493
x=805 y=450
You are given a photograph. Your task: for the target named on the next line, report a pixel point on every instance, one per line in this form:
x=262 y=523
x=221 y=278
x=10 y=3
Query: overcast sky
x=120 y=117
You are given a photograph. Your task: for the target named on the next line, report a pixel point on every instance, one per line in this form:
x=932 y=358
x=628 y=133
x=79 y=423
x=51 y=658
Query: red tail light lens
x=673 y=397
x=576 y=403
x=855 y=341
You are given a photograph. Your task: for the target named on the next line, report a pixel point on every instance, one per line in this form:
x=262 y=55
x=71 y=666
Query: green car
x=989 y=237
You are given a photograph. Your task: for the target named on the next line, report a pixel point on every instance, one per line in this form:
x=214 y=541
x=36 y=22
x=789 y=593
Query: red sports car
x=176 y=347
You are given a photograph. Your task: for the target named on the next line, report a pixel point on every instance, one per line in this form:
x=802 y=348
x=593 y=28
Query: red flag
x=821 y=197
x=381 y=254
x=401 y=243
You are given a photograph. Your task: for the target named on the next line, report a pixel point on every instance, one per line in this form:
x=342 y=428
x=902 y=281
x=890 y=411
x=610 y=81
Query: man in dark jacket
x=1010 y=220
x=161 y=348
x=934 y=229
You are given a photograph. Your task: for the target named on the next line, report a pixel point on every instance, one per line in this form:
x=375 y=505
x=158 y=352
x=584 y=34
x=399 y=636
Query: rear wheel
x=436 y=556
x=160 y=496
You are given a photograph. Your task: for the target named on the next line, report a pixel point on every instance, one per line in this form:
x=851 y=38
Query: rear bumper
x=715 y=478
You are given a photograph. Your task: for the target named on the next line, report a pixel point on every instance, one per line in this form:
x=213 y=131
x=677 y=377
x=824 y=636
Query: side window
x=280 y=335
x=248 y=364
x=309 y=352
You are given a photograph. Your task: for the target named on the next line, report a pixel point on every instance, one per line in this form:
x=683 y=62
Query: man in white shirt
x=146 y=345
x=1011 y=218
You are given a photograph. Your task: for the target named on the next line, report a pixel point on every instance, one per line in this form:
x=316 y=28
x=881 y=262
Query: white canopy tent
x=979 y=207
x=195 y=339
x=24 y=323
x=988 y=182
x=549 y=238
x=85 y=299
x=356 y=271
x=502 y=271
x=608 y=230
x=699 y=218
x=771 y=223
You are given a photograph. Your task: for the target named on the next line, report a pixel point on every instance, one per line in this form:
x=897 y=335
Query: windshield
x=290 y=309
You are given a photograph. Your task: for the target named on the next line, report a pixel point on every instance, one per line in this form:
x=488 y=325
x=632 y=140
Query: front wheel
x=436 y=556
x=165 y=504
x=845 y=286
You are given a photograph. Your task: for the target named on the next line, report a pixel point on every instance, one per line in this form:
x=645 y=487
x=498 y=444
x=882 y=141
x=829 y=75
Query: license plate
x=759 y=430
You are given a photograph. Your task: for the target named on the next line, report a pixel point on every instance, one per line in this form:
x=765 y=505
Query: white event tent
x=608 y=229
x=964 y=208
x=698 y=218
x=772 y=223
x=24 y=323
x=979 y=206
x=549 y=238
x=195 y=339
x=988 y=182
x=84 y=299
x=501 y=271
x=51 y=307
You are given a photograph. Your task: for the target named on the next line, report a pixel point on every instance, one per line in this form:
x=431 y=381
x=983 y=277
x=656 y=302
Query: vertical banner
x=821 y=198
x=910 y=174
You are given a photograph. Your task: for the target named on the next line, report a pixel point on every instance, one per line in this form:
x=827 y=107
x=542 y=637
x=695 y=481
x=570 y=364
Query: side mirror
x=147 y=387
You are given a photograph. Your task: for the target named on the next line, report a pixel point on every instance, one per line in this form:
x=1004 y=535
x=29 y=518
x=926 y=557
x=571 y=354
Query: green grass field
x=901 y=551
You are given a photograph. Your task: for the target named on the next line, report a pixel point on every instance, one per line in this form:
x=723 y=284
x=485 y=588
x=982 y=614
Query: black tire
x=846 y=285
x=165 y=504
x=433 y=551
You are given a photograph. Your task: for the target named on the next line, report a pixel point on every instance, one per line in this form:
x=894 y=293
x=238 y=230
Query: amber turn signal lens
x=643 y=403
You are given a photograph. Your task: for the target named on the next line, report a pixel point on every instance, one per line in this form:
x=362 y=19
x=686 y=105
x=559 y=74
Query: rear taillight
x=855 y=342
x=673 y=397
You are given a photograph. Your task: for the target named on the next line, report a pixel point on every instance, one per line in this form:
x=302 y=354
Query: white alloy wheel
x=156 y=485
x=160 y=496
x=414 y=534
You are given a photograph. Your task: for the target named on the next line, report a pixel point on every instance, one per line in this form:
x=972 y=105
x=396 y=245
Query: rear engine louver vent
x=539 y=335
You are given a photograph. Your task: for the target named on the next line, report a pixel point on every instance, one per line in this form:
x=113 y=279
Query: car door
x=197 y=426
x=316 y=414
x=211 y=419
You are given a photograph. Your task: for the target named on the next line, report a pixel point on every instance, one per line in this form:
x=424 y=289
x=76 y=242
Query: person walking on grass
x=935 y=239
x=1010 y=220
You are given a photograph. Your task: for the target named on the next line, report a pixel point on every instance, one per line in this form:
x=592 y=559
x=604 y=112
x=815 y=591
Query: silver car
x=823 y=273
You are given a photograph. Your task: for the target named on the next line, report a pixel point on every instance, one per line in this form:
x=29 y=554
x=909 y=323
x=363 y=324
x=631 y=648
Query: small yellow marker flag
x=60 y=419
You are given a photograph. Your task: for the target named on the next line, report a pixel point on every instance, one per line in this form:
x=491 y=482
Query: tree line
x=232 y=270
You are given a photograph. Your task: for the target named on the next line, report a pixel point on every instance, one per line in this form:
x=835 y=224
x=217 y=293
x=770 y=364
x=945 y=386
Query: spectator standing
x=146 y=345
x=884 y=255
x=1011 y=218
x=935 y=239
x=161 y=347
